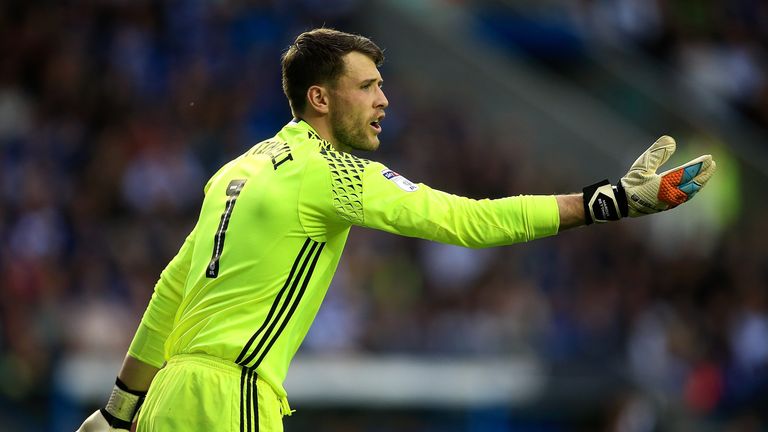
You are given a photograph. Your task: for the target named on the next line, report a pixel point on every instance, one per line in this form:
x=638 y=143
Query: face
x=356 y=105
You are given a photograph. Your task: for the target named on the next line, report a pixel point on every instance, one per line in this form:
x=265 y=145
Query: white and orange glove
x=641 y=191
x=118 y=415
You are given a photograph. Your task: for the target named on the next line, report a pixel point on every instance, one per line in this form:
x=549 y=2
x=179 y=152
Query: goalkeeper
x=230 y=310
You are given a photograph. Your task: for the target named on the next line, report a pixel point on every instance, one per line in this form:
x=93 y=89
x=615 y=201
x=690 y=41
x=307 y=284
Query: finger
x=658 y=153
x=707 y=169
x=680 y=184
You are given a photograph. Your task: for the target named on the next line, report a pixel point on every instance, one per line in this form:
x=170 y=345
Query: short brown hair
x=316 y=58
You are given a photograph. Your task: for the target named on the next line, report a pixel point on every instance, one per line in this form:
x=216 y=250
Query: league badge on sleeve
x=401 y=182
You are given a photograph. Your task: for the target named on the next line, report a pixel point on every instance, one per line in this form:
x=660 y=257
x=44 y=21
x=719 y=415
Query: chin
x=374 y=145
x=371 y=145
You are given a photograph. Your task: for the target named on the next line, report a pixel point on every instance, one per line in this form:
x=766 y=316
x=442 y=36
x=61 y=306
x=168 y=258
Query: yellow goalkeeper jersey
x=250 y=277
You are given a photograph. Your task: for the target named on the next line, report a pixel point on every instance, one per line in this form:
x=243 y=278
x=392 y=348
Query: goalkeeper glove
x=118 y=415
x=641 y=191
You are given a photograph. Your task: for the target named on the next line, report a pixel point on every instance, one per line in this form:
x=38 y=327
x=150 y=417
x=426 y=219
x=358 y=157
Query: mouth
x=376 y=124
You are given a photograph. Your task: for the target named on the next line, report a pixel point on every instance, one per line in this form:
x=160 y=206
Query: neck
x=322 y=126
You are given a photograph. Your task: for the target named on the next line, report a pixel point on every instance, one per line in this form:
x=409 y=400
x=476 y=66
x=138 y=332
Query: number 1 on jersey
x=233 y=191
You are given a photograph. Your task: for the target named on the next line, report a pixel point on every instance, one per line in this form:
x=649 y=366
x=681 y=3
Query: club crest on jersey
x=401 y=182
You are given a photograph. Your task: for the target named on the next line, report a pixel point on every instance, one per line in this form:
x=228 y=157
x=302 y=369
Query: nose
x=381 y=99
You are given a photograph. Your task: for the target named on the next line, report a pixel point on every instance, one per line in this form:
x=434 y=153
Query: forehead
x=359 y=66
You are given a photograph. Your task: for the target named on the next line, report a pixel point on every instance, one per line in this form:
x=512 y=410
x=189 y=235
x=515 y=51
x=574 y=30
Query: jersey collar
x=302 y=125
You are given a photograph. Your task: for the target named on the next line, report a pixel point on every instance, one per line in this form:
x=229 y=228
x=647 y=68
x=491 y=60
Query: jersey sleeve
x=157 y=322
x=391 y=203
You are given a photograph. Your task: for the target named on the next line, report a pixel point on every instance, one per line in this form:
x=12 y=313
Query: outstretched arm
x=389 y=202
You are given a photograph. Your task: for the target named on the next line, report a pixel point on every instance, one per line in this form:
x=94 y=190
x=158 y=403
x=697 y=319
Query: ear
x=317 y=98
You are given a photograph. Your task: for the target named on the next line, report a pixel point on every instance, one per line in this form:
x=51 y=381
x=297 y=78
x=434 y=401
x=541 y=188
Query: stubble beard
x=347 y=135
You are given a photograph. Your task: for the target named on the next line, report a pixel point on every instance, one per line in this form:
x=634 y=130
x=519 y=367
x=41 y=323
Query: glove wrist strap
x=122 y=406
x=604 y=202
x=621 y=199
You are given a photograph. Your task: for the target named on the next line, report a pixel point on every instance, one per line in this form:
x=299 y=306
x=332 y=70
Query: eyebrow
x=370 y=81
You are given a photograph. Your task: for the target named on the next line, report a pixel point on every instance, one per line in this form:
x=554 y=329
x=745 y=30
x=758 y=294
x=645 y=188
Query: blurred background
x=113 y=113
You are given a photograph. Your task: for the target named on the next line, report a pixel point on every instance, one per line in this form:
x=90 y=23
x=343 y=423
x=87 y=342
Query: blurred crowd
x=114 y=113
x=718 y=49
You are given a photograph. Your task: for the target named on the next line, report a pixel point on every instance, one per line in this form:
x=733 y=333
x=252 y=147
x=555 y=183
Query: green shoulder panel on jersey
x=347 y=176
x=346 y=173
